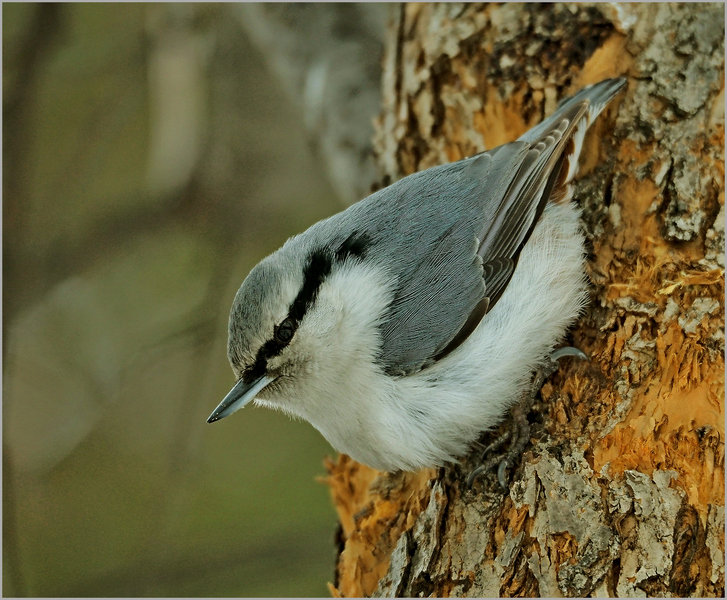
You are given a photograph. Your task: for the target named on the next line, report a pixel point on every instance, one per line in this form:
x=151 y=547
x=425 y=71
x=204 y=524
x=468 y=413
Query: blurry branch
x=177 y=62
x=327 y=58
x=41 y=272
x=33 y=49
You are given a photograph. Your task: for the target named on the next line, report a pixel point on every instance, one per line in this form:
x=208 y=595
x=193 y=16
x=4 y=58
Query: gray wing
x=428 y=229
x=503 y=238
x=549 y=165
x=453 y=234
x=461 y=273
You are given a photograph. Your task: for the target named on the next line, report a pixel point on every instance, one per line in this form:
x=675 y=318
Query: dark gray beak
x=241 y=394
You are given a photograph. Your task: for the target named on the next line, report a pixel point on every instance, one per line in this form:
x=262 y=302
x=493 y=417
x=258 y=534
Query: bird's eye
x=284 y=332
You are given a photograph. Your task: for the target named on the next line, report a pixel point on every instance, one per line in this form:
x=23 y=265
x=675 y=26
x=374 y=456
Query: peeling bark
x=621 y=492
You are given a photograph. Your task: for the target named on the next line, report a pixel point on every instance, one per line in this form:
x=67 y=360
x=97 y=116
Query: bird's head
x=297 y=320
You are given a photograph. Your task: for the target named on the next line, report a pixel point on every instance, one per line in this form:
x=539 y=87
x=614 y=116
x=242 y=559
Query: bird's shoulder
x=424 y=230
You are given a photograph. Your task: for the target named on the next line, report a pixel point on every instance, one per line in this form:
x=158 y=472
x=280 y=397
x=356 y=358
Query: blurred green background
x=149 y=161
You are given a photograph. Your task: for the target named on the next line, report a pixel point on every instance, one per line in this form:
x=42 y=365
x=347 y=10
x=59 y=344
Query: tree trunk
x=620 y=492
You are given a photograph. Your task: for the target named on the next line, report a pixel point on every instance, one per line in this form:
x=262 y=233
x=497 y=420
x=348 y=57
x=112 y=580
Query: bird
x=408 y=324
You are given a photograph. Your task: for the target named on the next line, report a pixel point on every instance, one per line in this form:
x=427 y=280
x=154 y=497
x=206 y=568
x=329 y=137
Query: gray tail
x=596 y=97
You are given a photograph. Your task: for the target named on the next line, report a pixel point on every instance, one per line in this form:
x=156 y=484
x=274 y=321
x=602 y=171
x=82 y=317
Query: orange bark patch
x=676 y=420
x=675 y=424
x=502 y=122
x=600 y=65
x=374 y=509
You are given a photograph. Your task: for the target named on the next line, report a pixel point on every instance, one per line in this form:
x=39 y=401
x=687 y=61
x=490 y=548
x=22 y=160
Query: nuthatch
x=406 y=325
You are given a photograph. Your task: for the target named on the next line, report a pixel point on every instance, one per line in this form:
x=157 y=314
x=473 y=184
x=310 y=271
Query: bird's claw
x=520 y=431
x=502 y=480
x=568 y=351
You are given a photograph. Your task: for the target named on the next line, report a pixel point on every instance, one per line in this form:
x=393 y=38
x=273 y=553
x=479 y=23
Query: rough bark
x=621 y=492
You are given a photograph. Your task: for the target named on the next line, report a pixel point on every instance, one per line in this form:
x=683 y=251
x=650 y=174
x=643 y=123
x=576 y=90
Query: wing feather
x=453 y=234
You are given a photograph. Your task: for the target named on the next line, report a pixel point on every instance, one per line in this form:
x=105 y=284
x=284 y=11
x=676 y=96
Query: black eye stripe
x=257 y=370
x=315 y=272
x=317 y=268
x=355 y=244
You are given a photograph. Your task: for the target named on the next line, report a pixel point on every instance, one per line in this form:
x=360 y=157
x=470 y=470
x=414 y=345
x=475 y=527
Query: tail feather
x=597 y=97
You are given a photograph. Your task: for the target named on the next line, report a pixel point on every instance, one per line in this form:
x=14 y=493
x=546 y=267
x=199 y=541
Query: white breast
x=433 y=416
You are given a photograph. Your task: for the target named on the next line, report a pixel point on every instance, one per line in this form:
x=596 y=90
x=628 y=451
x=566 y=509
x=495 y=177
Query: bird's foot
x=519 y=433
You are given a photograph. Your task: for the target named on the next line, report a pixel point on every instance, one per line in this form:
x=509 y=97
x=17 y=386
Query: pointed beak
x=241 y=394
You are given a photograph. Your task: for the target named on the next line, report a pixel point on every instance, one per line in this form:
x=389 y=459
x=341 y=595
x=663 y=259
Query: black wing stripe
x=523 y=203
x=497 y=274
x=525 y=199
x=469 y=326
